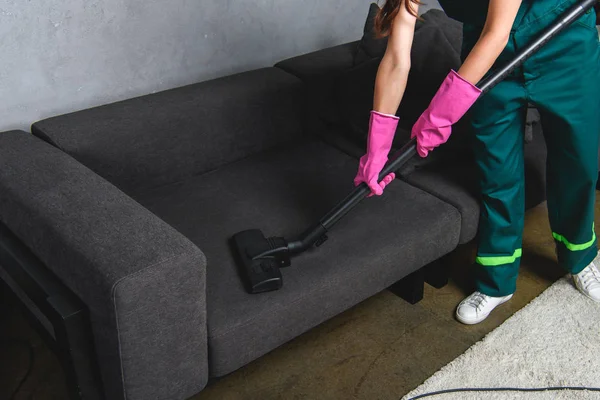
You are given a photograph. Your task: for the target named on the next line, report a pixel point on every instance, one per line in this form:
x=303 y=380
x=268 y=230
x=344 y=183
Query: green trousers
x=563 y=81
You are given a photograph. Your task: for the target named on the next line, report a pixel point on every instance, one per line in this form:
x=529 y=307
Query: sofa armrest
x=143 y=282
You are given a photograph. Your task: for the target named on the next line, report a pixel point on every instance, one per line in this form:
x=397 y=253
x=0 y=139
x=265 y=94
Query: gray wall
x=59 y=56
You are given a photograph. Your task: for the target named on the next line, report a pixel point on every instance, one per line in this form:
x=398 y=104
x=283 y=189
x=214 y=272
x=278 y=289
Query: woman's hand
x=382 y=128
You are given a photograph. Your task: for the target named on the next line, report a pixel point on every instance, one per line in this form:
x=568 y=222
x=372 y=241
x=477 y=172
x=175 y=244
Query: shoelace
x=476 y=300
x=590 y=276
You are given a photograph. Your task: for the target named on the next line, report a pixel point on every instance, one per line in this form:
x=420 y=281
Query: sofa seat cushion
x=283 y=191
x=456 y=183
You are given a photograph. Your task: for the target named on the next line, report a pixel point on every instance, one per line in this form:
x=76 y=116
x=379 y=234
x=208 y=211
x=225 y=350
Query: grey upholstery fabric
x=533 y=118
x=317 y=63
x=143 y=281
x=535 y=167
x=318 y=71
x=369 y=45
x=456 y=183
x=167 y=136
x=282 y=193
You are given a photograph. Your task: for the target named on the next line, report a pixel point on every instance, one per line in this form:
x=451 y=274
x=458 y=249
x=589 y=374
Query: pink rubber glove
x=452 y=100
x=382 y=128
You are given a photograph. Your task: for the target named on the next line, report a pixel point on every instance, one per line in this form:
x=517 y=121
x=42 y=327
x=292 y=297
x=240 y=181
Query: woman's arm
x=494 y=37
x=392 y=73
x=458 y=92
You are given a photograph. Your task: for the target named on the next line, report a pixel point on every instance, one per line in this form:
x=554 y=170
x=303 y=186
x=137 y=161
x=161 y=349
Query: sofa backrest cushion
x=165 y=137
x=369 y=45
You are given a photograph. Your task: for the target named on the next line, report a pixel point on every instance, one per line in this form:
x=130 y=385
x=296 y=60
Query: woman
x=562 y=80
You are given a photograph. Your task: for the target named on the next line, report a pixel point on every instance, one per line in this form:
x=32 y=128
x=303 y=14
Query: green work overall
x=562 y=80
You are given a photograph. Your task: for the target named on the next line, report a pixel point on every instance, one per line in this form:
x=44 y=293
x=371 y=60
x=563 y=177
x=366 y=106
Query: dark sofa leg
x=436 y=273
x=76 y=351
x=411 y=287
x=70 y=339
x=60 y=318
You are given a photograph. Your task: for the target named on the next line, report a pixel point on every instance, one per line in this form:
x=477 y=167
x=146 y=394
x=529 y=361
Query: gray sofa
x=131 y=206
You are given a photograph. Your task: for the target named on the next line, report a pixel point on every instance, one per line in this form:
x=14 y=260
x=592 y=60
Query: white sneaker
x=477 y=307
x=588 y=281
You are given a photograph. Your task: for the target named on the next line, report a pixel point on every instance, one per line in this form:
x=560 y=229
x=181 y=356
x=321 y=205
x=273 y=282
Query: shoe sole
x=480 y=319
x=583 y=292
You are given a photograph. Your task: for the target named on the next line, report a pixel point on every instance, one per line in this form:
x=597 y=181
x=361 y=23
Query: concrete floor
x=380 y=349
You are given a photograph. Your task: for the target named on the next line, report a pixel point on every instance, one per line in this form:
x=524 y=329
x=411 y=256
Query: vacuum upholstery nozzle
x=260 y=259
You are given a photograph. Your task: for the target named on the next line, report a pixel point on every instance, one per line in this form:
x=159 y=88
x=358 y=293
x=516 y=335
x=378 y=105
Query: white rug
x=553 y=341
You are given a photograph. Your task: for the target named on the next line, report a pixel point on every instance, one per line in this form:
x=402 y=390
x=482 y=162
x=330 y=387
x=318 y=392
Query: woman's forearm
x=496 y=32
x=482 y=56
x=390 y=84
